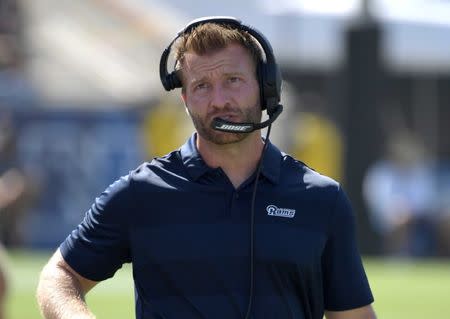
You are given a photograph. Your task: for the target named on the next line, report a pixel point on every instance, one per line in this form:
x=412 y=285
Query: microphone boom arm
x=231 y=127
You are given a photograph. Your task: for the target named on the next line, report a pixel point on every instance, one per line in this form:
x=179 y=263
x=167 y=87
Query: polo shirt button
x=236 y=195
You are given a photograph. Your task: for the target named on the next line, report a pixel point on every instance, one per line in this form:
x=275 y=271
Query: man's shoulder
x=157 y=168
x=296 y=172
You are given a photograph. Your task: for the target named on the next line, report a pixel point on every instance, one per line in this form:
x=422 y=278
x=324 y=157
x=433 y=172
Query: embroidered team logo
x=273 y=210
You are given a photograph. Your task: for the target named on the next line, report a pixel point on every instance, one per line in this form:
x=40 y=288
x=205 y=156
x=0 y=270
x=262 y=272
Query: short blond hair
x=210 y=37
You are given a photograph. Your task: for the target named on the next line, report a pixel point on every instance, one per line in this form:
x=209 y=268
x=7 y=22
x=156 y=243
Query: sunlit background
x=367 y=102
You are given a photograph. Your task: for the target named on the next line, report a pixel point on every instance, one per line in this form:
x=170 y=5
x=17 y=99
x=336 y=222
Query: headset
x=269 y=78
x=268 y=73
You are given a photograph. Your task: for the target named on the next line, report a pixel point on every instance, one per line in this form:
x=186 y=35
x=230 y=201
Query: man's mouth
x=227 y=117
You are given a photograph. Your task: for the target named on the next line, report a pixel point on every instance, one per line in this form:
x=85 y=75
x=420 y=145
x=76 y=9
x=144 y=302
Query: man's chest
x=216 y=225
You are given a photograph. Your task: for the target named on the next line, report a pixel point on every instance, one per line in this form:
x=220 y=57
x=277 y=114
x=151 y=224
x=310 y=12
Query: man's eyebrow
x=199 y=80
x=233 y=73
x=225 y=74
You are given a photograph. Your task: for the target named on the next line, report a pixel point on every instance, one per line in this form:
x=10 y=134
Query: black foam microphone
x=232 y=127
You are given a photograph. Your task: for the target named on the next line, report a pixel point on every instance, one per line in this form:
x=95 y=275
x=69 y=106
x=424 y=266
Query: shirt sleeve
x=345 y=282
x=99 y=246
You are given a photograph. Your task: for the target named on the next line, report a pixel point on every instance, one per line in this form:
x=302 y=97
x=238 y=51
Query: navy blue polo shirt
x=186 y=230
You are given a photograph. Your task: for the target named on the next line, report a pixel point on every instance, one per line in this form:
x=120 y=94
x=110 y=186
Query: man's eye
x=234 y=79
x=201 y=86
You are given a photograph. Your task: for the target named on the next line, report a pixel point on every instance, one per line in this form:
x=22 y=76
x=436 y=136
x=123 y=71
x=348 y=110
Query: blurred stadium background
x=367 y=85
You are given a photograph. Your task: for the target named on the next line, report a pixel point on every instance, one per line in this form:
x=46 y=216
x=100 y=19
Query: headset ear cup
x=272 y=87
x=260 y=73
x=173 y=81
x=269 y=78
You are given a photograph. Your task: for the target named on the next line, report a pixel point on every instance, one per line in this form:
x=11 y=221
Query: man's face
x=221 y=85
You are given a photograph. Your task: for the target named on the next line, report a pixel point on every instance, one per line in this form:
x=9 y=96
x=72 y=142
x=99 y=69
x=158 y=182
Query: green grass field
x=402 y=289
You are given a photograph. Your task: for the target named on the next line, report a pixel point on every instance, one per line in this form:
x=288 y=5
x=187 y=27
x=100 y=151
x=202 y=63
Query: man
x=202 y=246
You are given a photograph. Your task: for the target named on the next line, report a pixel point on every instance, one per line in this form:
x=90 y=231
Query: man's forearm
x=60 y=295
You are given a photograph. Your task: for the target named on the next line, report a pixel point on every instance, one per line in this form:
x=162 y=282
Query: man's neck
x=237 y=160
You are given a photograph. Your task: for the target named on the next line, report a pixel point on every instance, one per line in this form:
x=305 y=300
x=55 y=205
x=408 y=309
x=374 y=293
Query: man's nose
x=219 y=96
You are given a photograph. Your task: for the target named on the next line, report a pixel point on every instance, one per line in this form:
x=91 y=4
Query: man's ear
x=183 y=97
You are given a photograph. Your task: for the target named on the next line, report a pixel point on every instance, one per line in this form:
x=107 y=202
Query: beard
x=205 y=130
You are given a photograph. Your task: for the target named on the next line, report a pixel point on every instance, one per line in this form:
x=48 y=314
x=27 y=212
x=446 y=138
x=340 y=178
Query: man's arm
x=61 y=291
x=365 y=312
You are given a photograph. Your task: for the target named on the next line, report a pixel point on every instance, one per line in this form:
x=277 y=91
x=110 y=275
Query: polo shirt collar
x=196 y=167
x=192 y=160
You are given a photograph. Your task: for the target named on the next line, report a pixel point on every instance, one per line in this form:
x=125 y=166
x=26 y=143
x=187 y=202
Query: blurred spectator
x=9 y=22
x=400 y=193
x=15 y=89
x=16 y=191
